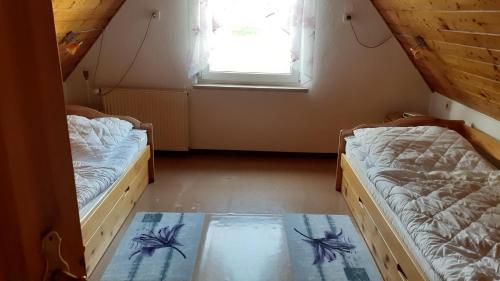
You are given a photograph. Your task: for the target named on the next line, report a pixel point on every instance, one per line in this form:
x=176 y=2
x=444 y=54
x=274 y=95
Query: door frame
x=37 y=185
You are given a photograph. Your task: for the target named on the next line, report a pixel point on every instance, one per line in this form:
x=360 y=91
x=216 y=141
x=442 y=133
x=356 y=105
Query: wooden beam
x=78 y=16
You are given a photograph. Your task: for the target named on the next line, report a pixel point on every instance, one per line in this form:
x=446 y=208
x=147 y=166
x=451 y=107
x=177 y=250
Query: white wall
x=445 y=108
x=160 y=64
x=352 y=84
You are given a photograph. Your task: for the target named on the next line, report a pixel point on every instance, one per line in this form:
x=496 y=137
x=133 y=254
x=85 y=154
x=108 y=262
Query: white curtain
x=304 y=35
x=200 y=29
x=302 y=28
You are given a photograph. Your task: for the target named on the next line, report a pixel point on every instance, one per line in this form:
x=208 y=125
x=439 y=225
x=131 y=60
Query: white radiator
x=166 y=109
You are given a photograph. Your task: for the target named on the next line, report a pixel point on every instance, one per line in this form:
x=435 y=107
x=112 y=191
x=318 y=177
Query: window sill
x=250 y=88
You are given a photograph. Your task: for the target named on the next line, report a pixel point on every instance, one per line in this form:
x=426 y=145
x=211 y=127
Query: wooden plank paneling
x=483 y=69
x=472 y=21
x=469 y=52
x=87 y=18
x=450 y=5
x=462 y=52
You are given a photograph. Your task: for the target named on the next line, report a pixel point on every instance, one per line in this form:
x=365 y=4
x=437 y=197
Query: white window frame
x=291 y=79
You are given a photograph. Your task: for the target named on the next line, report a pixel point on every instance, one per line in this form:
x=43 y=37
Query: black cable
x=366 y=45
x=130 y=65
x=98 y=61
x=357 y=37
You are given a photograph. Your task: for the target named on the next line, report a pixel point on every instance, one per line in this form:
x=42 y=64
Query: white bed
x=113 y=163
x=102 y=150
x=121 y=157
x=429 y=183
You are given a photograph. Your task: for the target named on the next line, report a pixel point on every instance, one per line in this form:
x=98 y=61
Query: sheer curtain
x=203 y=24
x=200 y=29
x=304 y=35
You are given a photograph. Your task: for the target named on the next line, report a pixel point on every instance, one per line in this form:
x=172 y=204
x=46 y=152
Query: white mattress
x=442 y=198
x=121 y=156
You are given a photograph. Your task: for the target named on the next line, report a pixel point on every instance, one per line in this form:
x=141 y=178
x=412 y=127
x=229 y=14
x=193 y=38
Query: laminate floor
x=237 y=183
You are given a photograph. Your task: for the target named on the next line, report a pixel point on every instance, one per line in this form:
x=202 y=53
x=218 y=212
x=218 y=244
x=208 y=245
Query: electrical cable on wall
x=98 y=60
x=366 y=45
x=349 y=18
x=130 y=65
x=87 y=87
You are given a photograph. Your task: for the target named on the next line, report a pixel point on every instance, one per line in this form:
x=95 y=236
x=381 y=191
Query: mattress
x=120 y=158
x=440 y=196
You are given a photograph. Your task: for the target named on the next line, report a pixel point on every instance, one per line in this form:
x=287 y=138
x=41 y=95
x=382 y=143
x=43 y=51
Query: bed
x=425 y=195
x=113 y=162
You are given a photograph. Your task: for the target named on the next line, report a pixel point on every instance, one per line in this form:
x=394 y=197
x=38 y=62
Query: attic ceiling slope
x=459 y=55
x=85 y=20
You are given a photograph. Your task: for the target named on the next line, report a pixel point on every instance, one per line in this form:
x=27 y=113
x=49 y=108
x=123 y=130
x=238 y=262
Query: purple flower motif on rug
x=148 y=243
x=328 y=247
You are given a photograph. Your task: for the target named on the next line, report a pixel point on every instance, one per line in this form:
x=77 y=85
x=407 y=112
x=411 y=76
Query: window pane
x=251 y=36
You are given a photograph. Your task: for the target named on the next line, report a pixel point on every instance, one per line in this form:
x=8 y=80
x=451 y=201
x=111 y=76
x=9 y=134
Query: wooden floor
x=230 y=183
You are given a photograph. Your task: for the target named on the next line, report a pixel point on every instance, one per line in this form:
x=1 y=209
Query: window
x=252 y=43
x=256 y=42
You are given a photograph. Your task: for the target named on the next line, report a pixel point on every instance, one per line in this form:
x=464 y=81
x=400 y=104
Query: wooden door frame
x=37 y=185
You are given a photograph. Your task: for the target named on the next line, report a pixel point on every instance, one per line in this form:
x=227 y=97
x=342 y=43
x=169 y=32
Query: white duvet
x=92 y=142
x=92 y=139
x=444 y=193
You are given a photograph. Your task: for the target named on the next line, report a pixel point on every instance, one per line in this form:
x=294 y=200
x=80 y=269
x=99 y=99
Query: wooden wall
x=461 y=60
x=87 y=18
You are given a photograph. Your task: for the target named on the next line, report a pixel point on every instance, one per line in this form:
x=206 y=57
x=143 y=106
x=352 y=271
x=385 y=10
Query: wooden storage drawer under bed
x=394 y=258
x=100 y=227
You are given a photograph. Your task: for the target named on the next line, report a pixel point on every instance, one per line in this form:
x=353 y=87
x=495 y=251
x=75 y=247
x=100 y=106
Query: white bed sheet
x=121 y=157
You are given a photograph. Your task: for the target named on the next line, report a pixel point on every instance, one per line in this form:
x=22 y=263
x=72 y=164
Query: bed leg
x=151 y=163
x=151 y=167
x=341 y=150
x=338 y=176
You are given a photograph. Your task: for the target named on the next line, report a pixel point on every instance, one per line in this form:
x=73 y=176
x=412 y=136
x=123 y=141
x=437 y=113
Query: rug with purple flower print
x=328 y=248
x=157 y=246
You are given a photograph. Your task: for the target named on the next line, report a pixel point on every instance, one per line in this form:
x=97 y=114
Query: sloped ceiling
x=461 y=55
x=87 y=19
x=460 y=58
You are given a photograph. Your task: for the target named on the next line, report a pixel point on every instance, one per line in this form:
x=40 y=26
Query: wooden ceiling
x=462 y=53
x=87 y=19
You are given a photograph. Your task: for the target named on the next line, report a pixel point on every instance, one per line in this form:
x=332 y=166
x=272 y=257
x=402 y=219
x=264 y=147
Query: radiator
x=167 y=110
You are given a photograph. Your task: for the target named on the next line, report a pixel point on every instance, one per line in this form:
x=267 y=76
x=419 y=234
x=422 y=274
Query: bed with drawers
x=425 y=194
x=113 y=163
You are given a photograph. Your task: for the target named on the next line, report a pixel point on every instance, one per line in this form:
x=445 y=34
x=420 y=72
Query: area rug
x=328 y=248
x=157 y=246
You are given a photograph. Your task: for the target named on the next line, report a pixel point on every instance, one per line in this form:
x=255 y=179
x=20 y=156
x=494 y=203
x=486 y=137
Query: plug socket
x=156 y=14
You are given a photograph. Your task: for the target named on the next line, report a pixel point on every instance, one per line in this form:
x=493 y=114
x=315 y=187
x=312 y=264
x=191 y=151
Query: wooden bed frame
x=394 y=259
x=101 y=224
